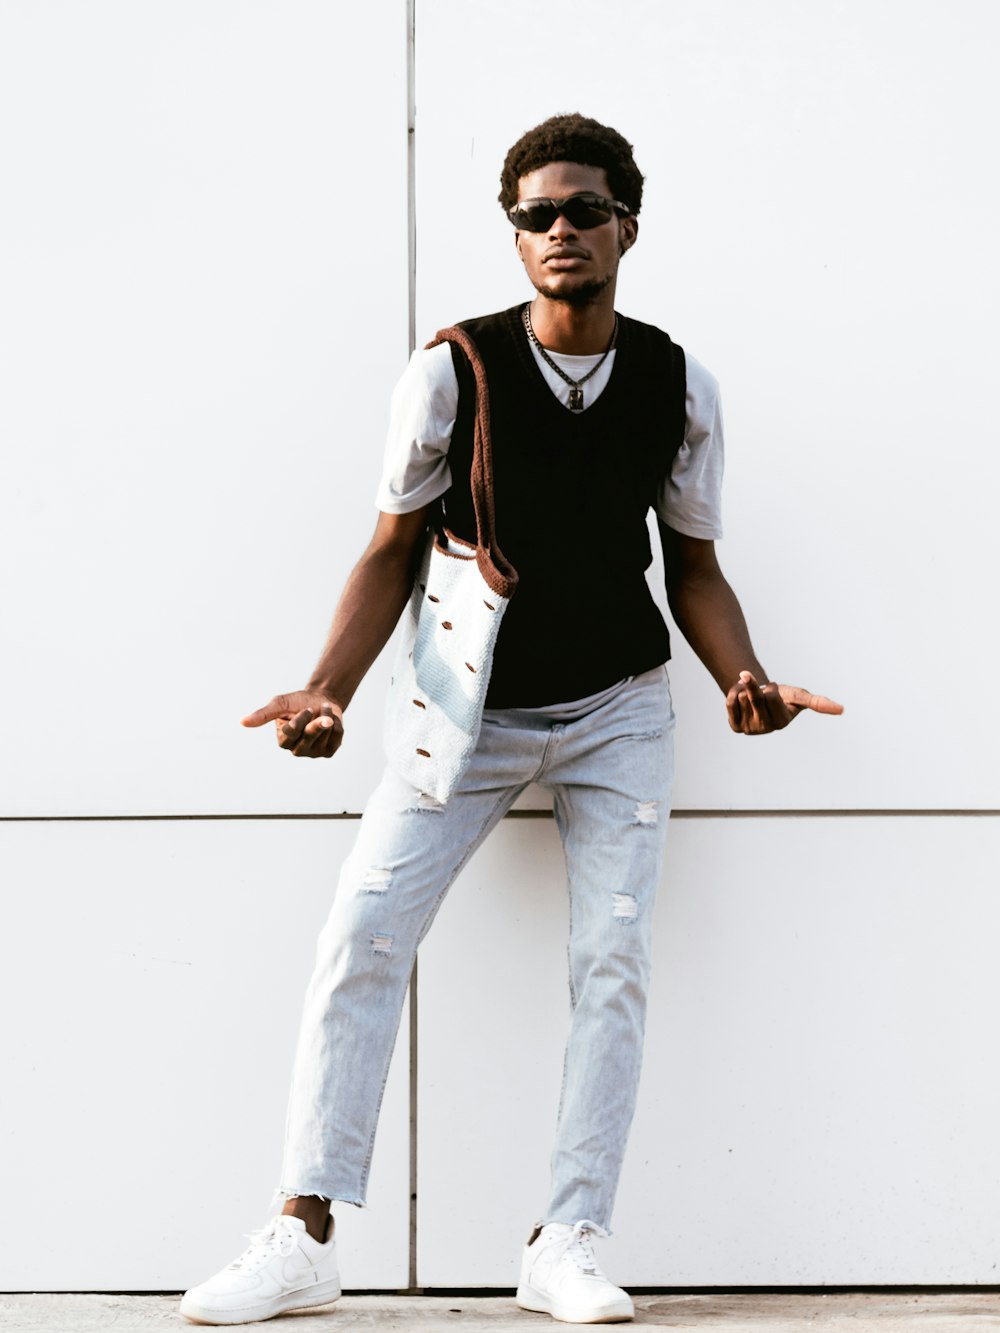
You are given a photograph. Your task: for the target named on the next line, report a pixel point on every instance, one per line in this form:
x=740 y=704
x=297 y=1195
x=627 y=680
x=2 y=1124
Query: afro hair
x=573 y=138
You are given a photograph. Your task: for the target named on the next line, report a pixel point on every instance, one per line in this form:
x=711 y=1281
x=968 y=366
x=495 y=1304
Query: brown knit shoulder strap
x=499 y=573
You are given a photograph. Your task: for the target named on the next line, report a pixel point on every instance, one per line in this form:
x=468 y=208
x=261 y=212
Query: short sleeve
x=690 y=499
x=421 y=419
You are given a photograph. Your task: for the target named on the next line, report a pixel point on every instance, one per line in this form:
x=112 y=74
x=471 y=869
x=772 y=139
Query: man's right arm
x=310 y=721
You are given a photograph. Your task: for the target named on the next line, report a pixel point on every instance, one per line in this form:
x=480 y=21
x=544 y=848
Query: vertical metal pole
x=411 y=246
x=411 y=167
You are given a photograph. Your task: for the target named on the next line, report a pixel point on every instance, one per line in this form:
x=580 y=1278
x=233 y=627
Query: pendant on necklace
x=576 y=398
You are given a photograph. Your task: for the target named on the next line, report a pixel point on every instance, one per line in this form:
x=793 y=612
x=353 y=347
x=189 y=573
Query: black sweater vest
x=572 y=494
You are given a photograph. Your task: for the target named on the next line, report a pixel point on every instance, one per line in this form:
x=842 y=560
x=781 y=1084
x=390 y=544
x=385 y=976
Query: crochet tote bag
x=449 y=629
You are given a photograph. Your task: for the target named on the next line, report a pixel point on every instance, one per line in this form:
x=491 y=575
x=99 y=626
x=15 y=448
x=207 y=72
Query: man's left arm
x=708 y=614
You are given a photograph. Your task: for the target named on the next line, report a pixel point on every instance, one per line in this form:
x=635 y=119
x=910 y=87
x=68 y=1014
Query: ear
x=517 y=246
x=628 y=233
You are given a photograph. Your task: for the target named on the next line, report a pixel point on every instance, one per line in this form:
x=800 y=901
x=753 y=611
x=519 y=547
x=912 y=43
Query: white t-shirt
x=425 y=405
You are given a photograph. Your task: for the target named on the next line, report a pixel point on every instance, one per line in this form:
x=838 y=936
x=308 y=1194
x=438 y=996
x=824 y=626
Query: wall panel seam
x=693 y=813
x=411 y=255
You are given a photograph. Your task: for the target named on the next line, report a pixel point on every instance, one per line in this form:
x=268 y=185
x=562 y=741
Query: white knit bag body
x=434 y=710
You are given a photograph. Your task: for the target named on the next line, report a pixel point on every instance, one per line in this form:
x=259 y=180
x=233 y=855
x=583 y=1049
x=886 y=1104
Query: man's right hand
x=308 y=723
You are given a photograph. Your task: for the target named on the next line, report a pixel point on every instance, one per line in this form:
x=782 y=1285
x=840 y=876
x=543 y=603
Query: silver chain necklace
x=575 y=386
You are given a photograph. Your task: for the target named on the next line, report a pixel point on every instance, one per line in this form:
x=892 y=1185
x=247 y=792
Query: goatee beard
x=578 y=297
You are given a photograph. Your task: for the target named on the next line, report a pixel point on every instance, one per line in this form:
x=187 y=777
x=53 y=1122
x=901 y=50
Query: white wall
x=204 y=311
x=819 y=1099
x=204 y=277
x=152 y=991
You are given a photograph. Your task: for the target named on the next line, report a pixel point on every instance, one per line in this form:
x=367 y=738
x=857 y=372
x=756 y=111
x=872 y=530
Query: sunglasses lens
x=534 y=215
x=585 y=211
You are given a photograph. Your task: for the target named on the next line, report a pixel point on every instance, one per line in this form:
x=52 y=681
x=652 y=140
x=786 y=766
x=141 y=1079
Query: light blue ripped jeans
x=610 y=773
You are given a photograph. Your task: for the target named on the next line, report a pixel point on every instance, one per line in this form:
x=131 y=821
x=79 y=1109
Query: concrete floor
x=857 y=1312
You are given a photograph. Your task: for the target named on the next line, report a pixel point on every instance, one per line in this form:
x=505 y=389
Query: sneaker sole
x=324 y=1293
x=530 y=1299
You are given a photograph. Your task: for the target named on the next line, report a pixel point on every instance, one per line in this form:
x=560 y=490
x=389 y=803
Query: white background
x=203 y=308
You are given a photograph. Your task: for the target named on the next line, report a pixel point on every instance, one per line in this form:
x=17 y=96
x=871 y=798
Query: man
x=596 y=418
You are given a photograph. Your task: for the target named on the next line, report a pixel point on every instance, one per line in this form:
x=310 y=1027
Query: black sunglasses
x=581 y=211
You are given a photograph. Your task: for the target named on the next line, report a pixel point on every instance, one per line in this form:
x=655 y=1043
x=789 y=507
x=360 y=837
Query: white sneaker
x=282 y=1269
x=560 y=1277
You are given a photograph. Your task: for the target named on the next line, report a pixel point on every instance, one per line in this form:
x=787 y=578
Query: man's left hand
x=755 y=710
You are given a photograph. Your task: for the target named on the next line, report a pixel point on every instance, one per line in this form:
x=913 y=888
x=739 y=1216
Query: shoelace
x=578 y=1246
x=276 y=1238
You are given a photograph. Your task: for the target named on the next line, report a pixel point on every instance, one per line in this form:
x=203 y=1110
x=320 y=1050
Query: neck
x=574 y=330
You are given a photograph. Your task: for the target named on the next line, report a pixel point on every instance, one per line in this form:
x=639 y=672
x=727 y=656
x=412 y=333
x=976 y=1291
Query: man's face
x=562 y=263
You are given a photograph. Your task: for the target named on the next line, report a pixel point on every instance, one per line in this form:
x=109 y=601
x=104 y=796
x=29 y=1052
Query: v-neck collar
x=529 y=364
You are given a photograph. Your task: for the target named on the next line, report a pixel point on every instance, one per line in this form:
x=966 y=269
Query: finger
x=329 y=743
x=334 y=740
x=290 y=732
x=733 y=706
x=320 y=724
x=315 y=744
x=778 y=713
x=755 y=702
x=278 y=707
x=321 y=742
x=744 y=718
x=818 y=703
x=315 y=747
